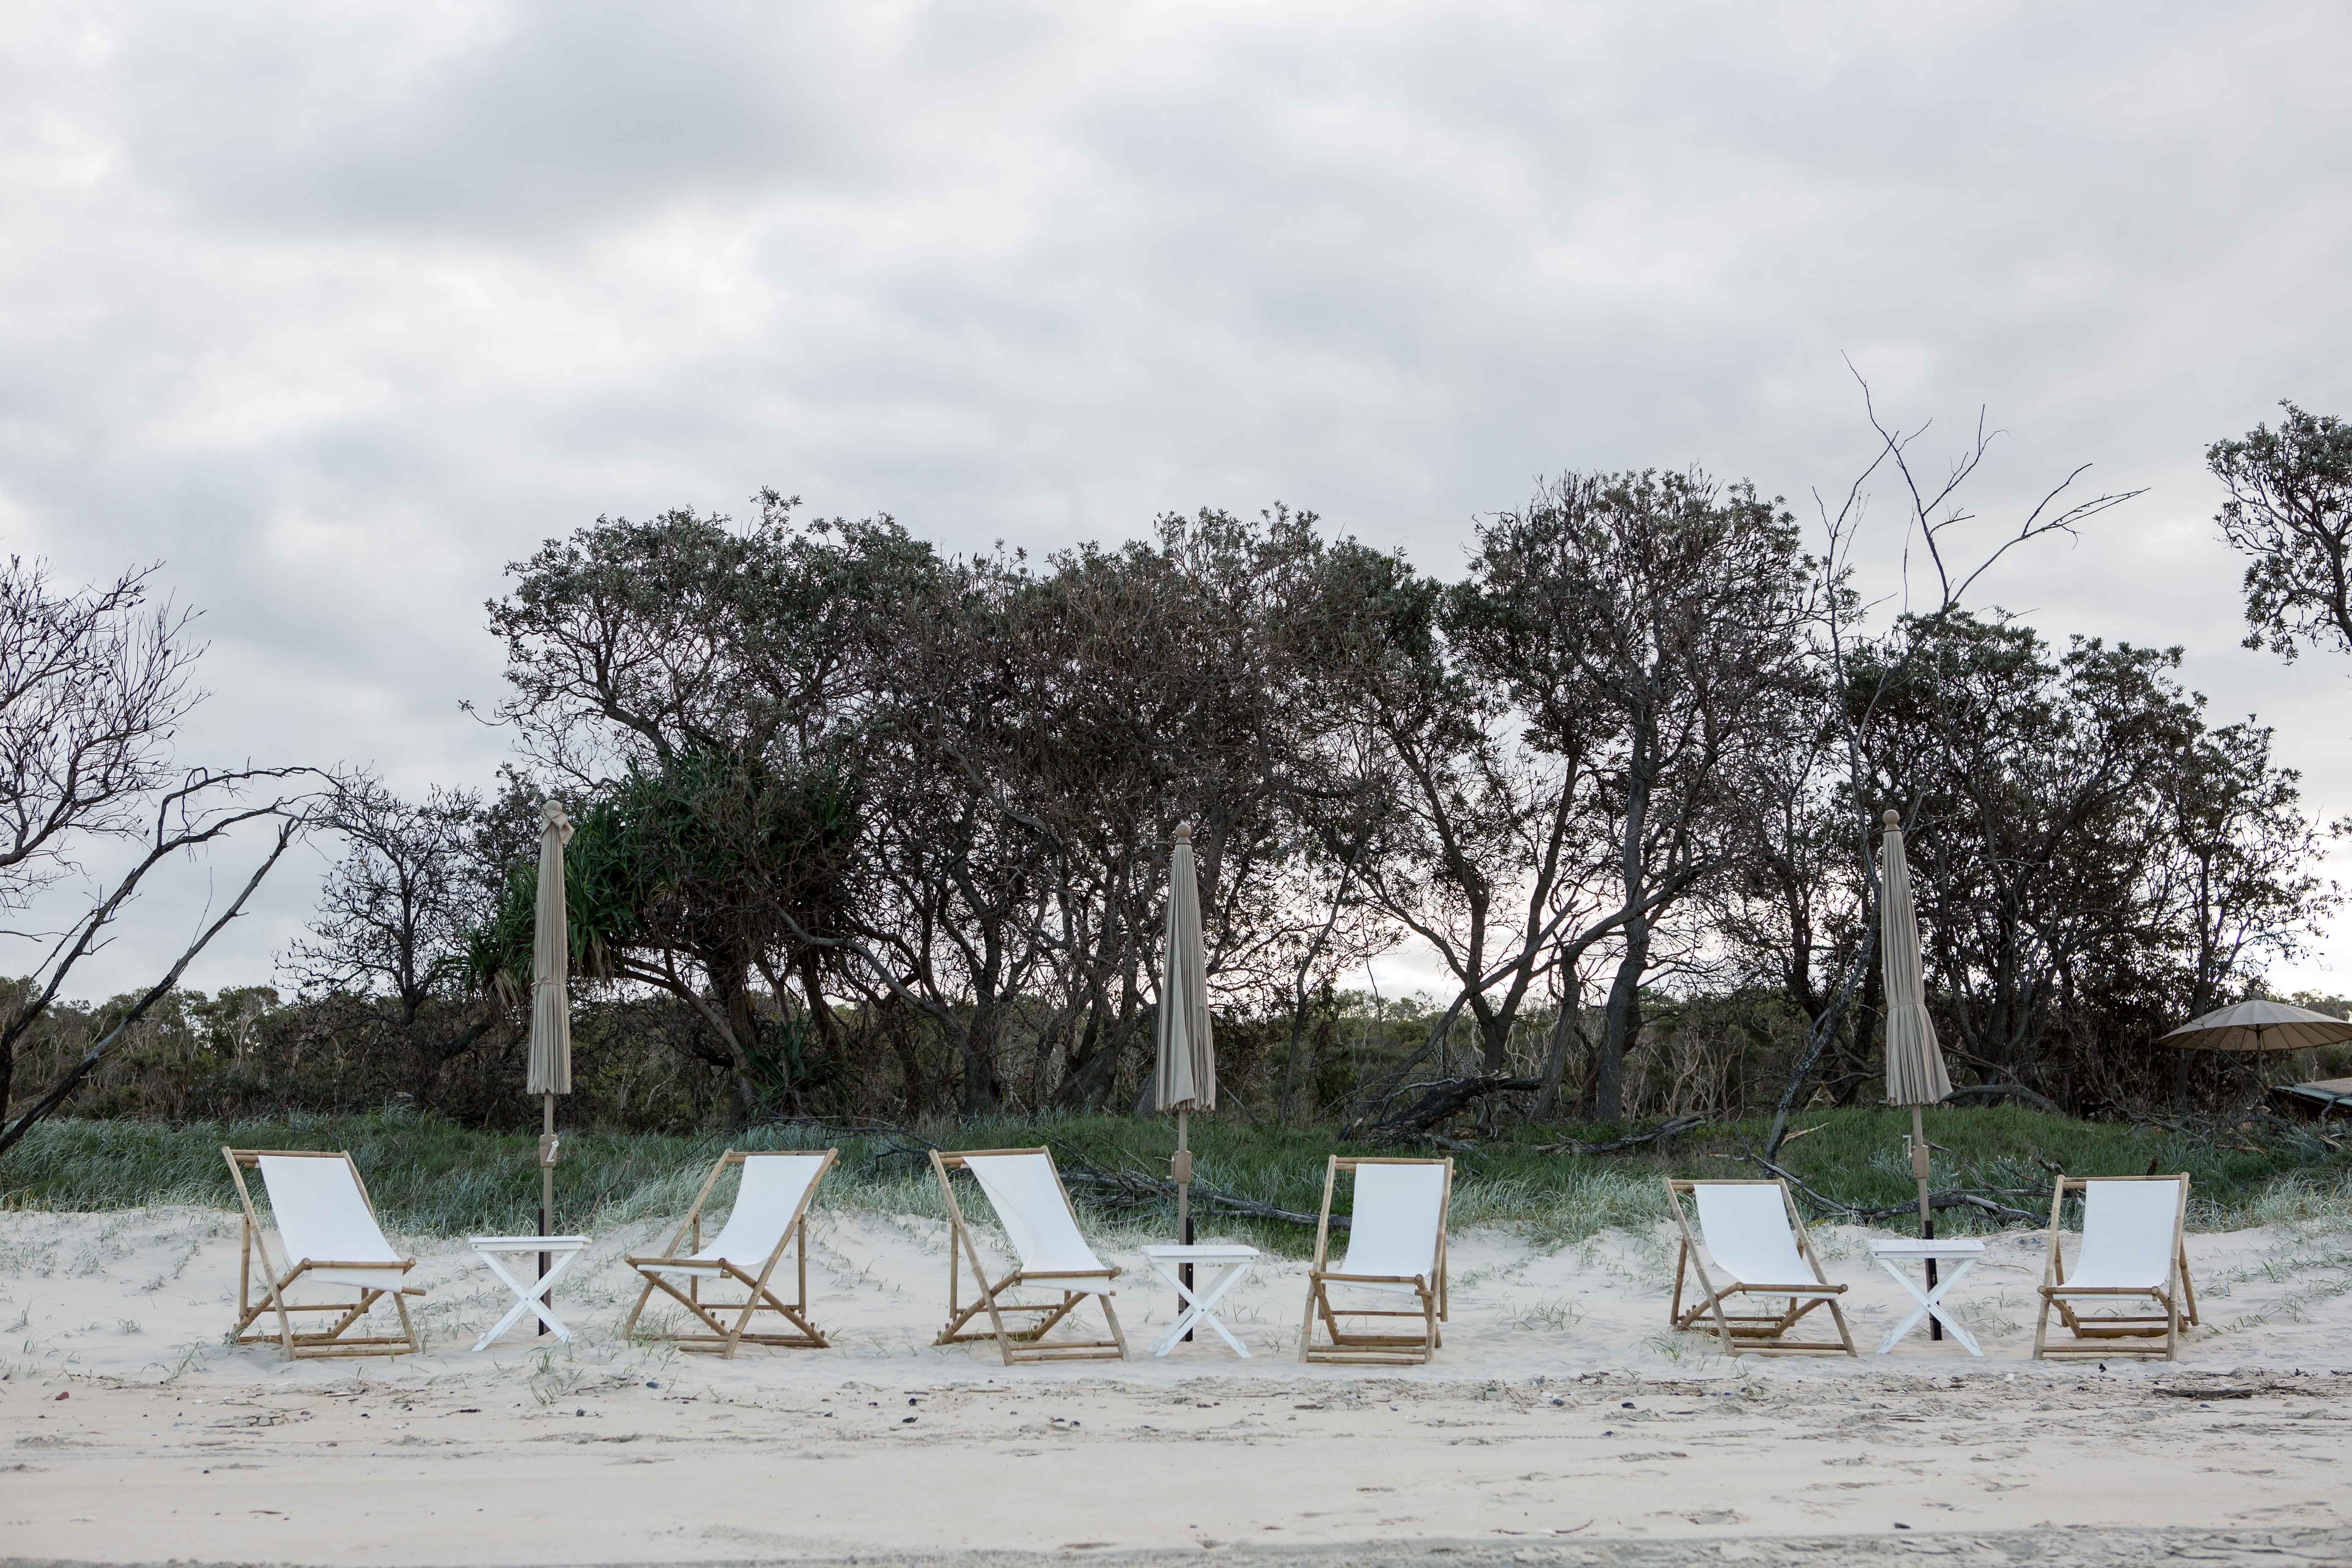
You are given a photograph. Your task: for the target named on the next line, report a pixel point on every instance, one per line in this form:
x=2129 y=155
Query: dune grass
x=432 y=1177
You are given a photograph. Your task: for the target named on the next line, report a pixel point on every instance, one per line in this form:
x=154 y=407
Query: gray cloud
x=337 y=312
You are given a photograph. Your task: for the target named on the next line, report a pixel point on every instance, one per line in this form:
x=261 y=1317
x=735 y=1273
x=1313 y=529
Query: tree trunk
x=980 y=1089
x=1622 y=1023
x=1495 y=1042
x=1299 y=1057
x=1563 y=1033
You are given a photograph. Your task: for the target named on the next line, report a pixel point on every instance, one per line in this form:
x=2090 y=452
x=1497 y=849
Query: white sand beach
x=1559 y=1414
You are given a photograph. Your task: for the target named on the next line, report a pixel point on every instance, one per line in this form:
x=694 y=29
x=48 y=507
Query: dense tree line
x=867 y=828
x=846 y=801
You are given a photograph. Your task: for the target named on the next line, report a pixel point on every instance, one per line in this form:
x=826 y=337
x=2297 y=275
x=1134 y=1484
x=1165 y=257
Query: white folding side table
x=529 y=1294
x=1897 y=1256
x=1218 y=1270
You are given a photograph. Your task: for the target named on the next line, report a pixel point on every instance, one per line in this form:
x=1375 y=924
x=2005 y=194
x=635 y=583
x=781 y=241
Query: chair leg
x=743 y=1321
x=1845 y=1334
x=643 y=1297
x=1722 y=1323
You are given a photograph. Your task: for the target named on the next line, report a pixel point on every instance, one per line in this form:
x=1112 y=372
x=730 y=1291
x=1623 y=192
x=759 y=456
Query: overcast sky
x=336 y=311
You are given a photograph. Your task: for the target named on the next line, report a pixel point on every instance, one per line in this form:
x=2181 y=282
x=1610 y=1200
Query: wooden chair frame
x=321 y=1343
x=2098 y=1336
x=1016 y=1345
x=1754 y=1334
x=1374 y=1349
x=722 y=1337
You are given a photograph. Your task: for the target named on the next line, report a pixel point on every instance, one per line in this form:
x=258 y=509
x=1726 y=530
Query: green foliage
x=2290 y=513
x=686 y=852
x=431 y=1176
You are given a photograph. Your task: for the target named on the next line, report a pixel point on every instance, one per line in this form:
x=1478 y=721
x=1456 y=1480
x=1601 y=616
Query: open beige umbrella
x=2245 y=1028
x=549 y=1072
x=2260 y=1027
x=1915 y=1074
x=1185 y=1078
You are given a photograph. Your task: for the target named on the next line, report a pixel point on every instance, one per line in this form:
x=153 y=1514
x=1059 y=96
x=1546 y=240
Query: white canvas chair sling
x=1754 y=1244
x=1396 y=1246
x=328 y=1232
x=2133 y=1252
x=771 y=1213
x=1031 y=1205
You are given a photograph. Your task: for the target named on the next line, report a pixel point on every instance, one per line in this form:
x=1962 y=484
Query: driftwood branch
x=1664 y=1130
x=1944 y=1200
x=1078 y=1173
x=1446 y=1098
x=2008 y=1091
x=1134 y=1186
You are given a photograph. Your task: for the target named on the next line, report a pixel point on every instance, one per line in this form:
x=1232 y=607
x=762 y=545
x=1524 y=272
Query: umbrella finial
x=1183 y=832
x=1890 y=816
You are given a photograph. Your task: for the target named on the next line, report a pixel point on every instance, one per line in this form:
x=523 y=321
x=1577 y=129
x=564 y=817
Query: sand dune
x=1560 y=1415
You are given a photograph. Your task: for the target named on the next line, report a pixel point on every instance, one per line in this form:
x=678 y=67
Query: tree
x=2039 y=781
x=1936 y=515
x=395 y=915
x=2290 y=509
x=706 y=691
x=1645 y=628
x=93 y=685
x=2236 y=880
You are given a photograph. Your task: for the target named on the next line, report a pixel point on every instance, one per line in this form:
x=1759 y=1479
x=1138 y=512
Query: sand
x=1561 y=1423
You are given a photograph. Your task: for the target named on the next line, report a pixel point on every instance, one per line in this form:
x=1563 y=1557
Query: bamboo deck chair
x=2133 y=1251
x=771 y=1213
x=328 y=1231
x=1034 y=1208
x=1396 y=1246
x=1756 y=1242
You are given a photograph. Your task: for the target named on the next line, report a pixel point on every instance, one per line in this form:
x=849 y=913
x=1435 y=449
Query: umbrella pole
x=1927 y=1215
x=546 y=1182
x=1184 y=1194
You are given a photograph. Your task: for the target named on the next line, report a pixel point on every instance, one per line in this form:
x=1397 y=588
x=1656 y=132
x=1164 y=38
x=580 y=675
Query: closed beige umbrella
x=1915 y=1074
x=549 y=1072
x=1185 y=1078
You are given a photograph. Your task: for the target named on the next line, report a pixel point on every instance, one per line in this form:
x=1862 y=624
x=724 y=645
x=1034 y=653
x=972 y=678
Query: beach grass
x=432 y=1177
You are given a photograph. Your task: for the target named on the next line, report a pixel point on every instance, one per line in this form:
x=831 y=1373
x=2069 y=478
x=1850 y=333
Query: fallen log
x=1673 y=1129
x=1944 y=1200
x=1447 y=1098
x=1134 y=1186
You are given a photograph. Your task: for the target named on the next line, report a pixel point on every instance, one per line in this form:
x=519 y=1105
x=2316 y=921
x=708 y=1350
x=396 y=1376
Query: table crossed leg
x=1199 y=1306
x=527 y=1296
x=1928 y=1301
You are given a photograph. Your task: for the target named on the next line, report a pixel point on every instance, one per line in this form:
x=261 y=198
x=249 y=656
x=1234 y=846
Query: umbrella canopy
x=550 y=1003
x=1914 y=1062
x=2260 y=1027
x=1186 y=1078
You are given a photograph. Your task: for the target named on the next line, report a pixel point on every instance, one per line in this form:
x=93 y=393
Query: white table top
x=1226 y=1254
x=526 y=1243
x=1957 y=1247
